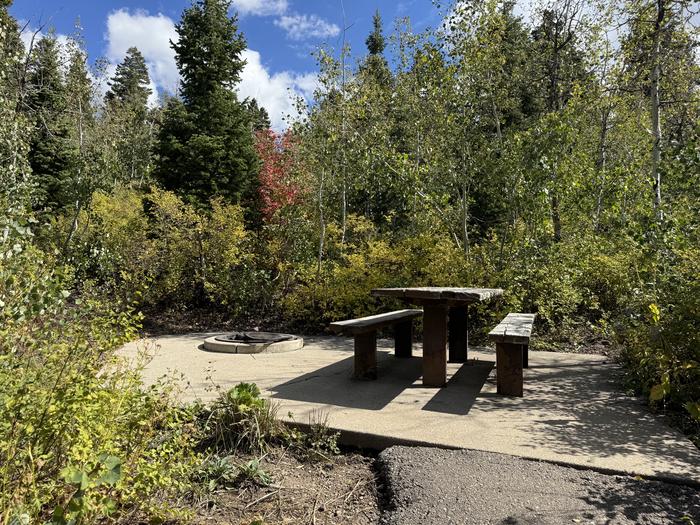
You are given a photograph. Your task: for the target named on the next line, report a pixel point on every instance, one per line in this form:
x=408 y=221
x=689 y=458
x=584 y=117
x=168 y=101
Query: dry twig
x=262 y=498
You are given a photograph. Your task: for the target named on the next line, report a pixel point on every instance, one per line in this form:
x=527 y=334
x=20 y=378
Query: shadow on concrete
x=394 y=376
x=462 y=389
x=587 y=415
x=334 y=385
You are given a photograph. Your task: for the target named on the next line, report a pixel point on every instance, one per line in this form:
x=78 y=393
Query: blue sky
x=281 y=35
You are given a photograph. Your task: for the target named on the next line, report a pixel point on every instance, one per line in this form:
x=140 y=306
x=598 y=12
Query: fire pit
x=253 y=343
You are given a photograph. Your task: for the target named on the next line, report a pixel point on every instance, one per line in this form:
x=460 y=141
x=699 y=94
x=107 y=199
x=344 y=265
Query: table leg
x=458 y=334
x=434 y=345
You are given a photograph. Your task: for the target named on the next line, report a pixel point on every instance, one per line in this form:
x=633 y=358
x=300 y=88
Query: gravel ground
x=425 y=486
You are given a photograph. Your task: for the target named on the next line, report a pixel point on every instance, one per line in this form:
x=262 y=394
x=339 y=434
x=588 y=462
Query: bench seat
x=364 y=330
x=512 y=338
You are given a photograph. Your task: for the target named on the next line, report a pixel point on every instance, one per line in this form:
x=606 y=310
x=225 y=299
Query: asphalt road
x=426 y=486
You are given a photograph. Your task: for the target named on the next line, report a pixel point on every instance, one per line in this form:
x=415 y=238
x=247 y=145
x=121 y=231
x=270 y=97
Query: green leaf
x=655 y=313
x=113 y=472
x=658 y=392
x=693 y=409
x=76 y=476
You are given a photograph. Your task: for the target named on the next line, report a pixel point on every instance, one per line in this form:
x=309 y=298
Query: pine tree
x=45 y=103
x=205 y=147
x=559 y=66
x=130 y=82
x=259 y=118
x=375 y=41
x=559 y=63
x=375 y=64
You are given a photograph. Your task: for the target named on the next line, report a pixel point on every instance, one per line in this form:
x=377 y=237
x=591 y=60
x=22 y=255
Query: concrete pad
x=571 y=412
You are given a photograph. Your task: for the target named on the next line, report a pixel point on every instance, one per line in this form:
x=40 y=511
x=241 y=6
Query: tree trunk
x=556 y=217
x=465 y=220
x=656 y=107
x=322 y=223
x=73 y=229
x=201 y=291
x=601 y=164
x=78 y=200
x=342 y=135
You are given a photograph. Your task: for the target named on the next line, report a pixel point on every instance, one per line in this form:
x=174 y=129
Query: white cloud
x=307 y=84
x=30 y=36
x=260 y=7
x=297 y=27
x=151 y=34
x=301 y=27
x=275 y=92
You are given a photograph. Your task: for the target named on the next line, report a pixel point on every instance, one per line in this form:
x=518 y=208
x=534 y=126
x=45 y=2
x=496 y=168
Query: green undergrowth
x=81 y=438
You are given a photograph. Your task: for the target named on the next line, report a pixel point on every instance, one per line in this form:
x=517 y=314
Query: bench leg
x=434 y=345
x=526 y=351
x=509 y=369
x=365 y=356
x=403 y=339
x=458 y=334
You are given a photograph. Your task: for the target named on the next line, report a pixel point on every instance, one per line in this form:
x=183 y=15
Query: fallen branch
x=347 y=497
x=262 y=498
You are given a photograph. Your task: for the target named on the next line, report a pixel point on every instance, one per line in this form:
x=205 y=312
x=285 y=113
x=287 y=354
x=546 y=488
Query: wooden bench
x=364 y=330
x=512 y=338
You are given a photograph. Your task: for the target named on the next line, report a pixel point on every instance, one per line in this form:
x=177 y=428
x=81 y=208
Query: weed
x=251 y=471
x=317 y=443
x=216 y=473
x=240 y=420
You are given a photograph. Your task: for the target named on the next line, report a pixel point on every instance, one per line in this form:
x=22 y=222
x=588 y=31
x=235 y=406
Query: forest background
x=559 y=161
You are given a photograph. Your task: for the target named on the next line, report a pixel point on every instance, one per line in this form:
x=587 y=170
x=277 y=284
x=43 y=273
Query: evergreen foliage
x=127 y=113
x=375 y=40
x=375 y=64
x=259 y=118
x=130 y=84
x=46 y=104
x=205 y=147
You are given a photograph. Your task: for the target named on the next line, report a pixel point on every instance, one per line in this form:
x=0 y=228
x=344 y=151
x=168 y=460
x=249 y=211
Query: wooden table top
x=436 y=293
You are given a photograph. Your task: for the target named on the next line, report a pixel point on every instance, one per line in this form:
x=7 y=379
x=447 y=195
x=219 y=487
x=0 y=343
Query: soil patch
x=340 y=490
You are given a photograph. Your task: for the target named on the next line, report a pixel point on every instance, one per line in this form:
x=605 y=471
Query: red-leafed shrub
x=279 y=155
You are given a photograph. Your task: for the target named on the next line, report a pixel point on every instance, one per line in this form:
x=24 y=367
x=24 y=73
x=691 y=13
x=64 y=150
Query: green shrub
x=252 y=472
x=215 y=473
x=153 y=250
x=662 y=339
x=240 y=420
x=80 y=438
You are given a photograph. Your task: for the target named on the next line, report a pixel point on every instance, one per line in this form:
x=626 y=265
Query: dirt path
x=426 y=486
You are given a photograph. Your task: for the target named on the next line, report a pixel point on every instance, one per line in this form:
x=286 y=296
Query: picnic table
x=440 y=307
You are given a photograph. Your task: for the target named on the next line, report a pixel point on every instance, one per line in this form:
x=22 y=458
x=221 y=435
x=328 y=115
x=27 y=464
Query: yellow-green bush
x=661 y=340
x=80 y=438
x=342 y=288
x=152 y=249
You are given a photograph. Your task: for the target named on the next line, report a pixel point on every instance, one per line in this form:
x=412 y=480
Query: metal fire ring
x=254 y=337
